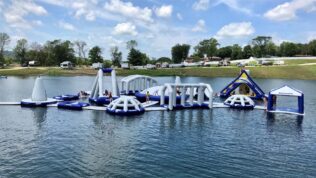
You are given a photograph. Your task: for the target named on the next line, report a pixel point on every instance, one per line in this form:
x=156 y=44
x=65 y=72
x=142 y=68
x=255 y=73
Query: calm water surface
x=49 y=142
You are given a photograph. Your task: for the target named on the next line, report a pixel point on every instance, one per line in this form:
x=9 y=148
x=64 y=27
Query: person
x=265 y=101
x=110 y=96
x=106 y=93
x=178 y=92
x=242 y=68
x=83 y=94
x=147 y=96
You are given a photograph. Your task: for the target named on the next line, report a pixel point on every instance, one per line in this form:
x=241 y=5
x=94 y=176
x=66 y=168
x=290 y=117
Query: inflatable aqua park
x=150 y=96
x=243 y=85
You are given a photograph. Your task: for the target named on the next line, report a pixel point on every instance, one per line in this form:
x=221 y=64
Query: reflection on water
x=185 y=143
x=284 y=122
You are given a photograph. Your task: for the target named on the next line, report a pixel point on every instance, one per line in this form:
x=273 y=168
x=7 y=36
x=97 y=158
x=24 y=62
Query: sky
x=157 y=25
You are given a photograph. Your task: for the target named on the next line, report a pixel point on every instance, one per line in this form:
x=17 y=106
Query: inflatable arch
x=136 y=83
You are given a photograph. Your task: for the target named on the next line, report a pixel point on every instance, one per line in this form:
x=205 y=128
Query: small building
x=125 y=65
x=150 y=66
x=66 y=65
x=164 y=65
x=97 y=65
x=32 y=63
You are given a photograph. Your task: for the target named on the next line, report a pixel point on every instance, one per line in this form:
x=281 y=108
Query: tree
x=116 y=56
x=312 y=47
x=288 y=49
x=180 y=52
x=58 y=51
x=224 y=52
x=4 y=40
x=36 y=53
x=236 y=52
x=208 y=47
x=247 y=52
x=80 y=48
x=259 y=45
x=271 y=49
x=135 y=57
x=131 y=44
x=20 y=51
x=163 y=59
x=95 y=55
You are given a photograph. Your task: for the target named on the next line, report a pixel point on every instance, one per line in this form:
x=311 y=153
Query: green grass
x=299 y=61
x=283 y=72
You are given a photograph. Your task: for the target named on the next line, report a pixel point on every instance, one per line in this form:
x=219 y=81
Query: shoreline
x=301 y=72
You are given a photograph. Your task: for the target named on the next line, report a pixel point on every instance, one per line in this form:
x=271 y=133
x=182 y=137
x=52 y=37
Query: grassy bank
x=283 y=72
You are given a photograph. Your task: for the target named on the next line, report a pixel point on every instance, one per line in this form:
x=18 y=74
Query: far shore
x=298 y=71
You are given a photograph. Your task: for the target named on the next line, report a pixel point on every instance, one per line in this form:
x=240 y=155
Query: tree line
x=261 y=46
x=52 y=53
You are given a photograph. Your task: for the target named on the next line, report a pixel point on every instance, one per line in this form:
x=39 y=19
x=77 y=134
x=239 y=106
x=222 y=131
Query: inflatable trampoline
x=66 y=97
x=125 y=106
x=240 y=102
x=72 y=105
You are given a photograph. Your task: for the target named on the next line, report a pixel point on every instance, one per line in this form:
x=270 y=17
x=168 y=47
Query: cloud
x=127 y=9
x=288 y=10
x=235 y=5
x=164 y=11
x=199 y=27
x=235 y=30
x=125 y=29
x=66 y=26
x=201 y=5
x=18 y=10
x=179 y=16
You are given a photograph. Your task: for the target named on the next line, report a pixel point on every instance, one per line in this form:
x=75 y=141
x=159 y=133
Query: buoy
x=39 y=97
x=125 y=106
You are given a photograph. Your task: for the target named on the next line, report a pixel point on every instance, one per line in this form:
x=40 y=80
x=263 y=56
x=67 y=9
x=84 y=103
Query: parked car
x=66 y=65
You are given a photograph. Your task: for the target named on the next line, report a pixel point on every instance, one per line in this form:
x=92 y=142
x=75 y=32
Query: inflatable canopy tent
x=243 y=85
x=286 y=91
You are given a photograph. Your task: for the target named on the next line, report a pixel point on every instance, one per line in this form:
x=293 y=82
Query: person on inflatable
x=147 y=96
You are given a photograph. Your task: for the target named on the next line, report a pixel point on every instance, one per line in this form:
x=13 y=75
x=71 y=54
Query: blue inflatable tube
x=130 y=92
x=120 y=112
x=101 y=100
x=72 y=105
x=67 y=97
x=239 y=106
x=142 y=98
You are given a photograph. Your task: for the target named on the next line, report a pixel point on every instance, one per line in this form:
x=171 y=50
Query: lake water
x=51 y=142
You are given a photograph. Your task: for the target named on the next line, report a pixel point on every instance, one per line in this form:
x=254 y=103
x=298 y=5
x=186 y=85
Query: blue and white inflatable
x=39 y=97
x=125 y=106
x=72 y=105
x=67 y=97
x=286 y=91
x=239 y=102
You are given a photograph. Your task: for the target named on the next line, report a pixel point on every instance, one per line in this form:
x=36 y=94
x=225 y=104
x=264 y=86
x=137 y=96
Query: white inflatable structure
x=125 y=105
x=182 y=90
x=240 y=102
x=98 y=89
x=39 y=97
x=134 y=83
